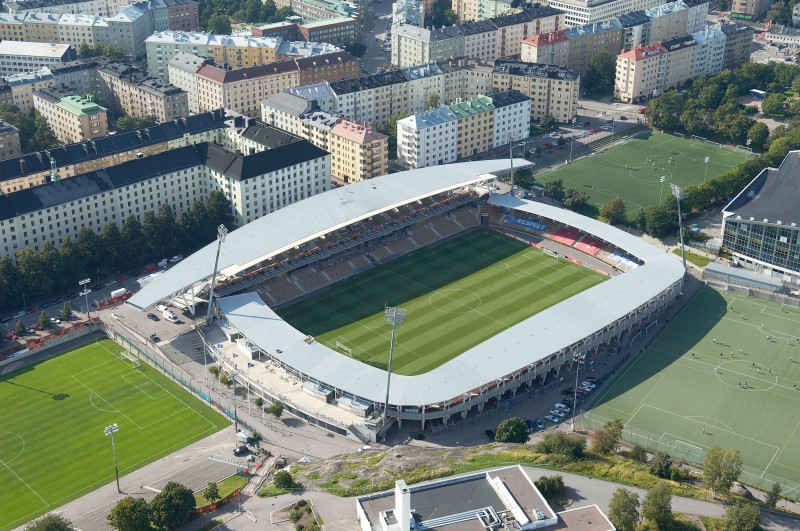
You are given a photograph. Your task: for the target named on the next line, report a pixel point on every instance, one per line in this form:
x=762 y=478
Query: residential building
x=640 y=73
x=783 y=35
x=495 y=8
x=408 y=12
x=682 y=54
x=9 y=141
x=181 y=72
x=79 y=76
x=546 y=48
x=358 y=152
x=72 y=118
x=428 y=138
x=130 y=91
x=749 y=9
x=697 y=16
x=582 y=12
x=321 y=10
x=327 y=67
x=226 y=50
x=475 y=125
x=761 y=225
x=668 y=21
x=339 y=31
x=255 y=184
x=710 y=55
x=104 y=8
x=182 y=15
x=512 y=117
x=69 y=160
x=22 y=86
x=243 y=89
x=485 y=40
x=17 y=57
x=738 y=45
x=635 y=28
x=588 y=40
x=286 y=110
x=553 y=90
x=796 y=15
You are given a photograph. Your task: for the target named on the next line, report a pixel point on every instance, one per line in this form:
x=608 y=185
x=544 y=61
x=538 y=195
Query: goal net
x=128 y=357
x=688 y=451
x=344 y=348
x=549 y=253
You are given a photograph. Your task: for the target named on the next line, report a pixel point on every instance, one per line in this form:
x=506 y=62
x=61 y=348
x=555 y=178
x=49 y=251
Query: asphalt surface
x=374 y=36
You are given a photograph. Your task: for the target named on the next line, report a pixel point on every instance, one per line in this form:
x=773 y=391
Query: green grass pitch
x=687 y=391
x=457 y=294
x=632 y=171
x=52 y=446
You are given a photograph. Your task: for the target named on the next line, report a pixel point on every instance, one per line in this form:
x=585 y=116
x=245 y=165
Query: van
x=161 y=308
x=169 y=316
x=163 y=263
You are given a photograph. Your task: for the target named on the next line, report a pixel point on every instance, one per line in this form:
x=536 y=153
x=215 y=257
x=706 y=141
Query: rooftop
x=634 y=18
x=187 y=62
x=733 y=29
x=679 y=43
x=429 y=118
x=477 y=105
x=34 y=76
x=595 y=28
x=221 y=75
x=242 y=167
x=665 y=9
x=643 y=52
x=34 y=49
x=314 y=91
x=511 y=97
x=288 y=102
x=519 y=68
x=541 y=39
x=361 y=134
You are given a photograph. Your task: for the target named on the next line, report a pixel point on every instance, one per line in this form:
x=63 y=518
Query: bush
x=638 y=454
x=283 y=480
x=512 y=430
x=295 y=515
x=661 y=465
x=550 y=486
x=569 y=446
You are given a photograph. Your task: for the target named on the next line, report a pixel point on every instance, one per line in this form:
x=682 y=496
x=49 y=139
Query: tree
x=432 y=100
x=65 y=312
x=638 y=453
x=114 y=247
x=43 y=137
x=356 y=48
x=219 y=24
x=259 y=402
x=218 y=209
x=276 y=409
x=560 y=443
x=554 y=188
x=268 y=9
x=607 y=438
x=759 y=135
x=132 y=123
x=512 y=430
x=613 y=212
x=780 y=13
x=130 y=514
x=599 y=78
x=280 y=15
x=623 y=510
x=390 y=130
x=44 y=320
x=550 y=486
x=742 y=516
x=661 y=464
x=773 y=495
x=84 y=50
x=664 y=112
x=253 y=10
x=657 y=505
x=773 y=104
x=115 y=52
x=19 y=329
x=211 y=492
x=172 y=507
x=283 y=480
x=51 y=522
x=721 y=468
x=575 y=199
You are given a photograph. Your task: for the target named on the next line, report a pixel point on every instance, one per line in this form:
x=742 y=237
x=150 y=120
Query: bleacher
x=589 y=245
x=282 y=290
x=359 y=262
x=566 y=236
x=402 y=246
x=467 y=217
x=623 y=261
x=445 y=226
x=382 y=253
x=310 y=280
x=423 y=234
x=340 y=270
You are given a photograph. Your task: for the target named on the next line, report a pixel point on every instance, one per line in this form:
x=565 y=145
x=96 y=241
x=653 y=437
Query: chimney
x=402 y=505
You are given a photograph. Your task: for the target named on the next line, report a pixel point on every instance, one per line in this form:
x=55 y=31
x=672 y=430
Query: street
x=378 y=21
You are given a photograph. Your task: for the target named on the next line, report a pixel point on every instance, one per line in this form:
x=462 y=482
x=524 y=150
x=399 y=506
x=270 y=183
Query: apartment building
x=358 y=152
x=323 y=10
x=130 y=91
x=339 y=31
x=232 y=51
x=181 y=72
x=738 y=45
x=485 y=40
x=104 y=8
x=552 y=90
x=710 y=54
x=749 y=9
x=682 y=54
x=35 y=169
x=9 y=141
x=22 y=86
x=512 y=117
x=640 y=73
x=18 y=57
x=546 y=48
x=588 y=40
x=243 y=89
x=327 y=67
x=255 y=184
x=72 y=118
x=428 y=138
x=668 y=21
x=408 y=12
x=582 y=12
x=182 y=15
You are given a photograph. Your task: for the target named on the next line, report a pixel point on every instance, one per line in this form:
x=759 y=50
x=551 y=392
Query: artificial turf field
x=52 y=446
x=681 y=396
x=632 y=171
x=457 y=294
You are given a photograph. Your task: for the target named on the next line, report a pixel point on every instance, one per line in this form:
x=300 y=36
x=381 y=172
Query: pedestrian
x=745 y=384
x=754 y=364
x=720 y=354
x=704 y=431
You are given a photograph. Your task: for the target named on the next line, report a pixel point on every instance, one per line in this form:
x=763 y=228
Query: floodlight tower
x=679 y=194
x=511 y=139
x=579 y=358
x=111 y=430
x=394 y=317
x=86 y=291
x=221 y=233
x=705 y=175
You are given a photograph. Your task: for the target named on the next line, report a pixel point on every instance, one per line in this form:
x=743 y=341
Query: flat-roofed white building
x=18 y=57
x=428 y=139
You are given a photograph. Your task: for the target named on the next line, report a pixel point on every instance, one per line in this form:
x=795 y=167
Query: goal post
x=688 y=451
x=549 y=253
x=344 y=348
x=131 y=358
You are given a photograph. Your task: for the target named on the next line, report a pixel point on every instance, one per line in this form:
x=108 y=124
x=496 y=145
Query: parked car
x=587 y=383
x=110 y=283
x=55 y=320
x=551 y=418
x=32 y=309
x=154 y=338
x=19 y=314
x=623 y=118
x=240 y=450
x=163 y=263
x=86 y=291
x=587 y=124
x=153 y=317
x=554 y=134
x=175 y=259
x=529 y=423
x=71 y=295
x=539 y=424
x=605 y=127
x=122 y=278
x=490 y=434
x=44 y=305
x=562 y=406
x=98 y=287
x=591 y=379
x=558 y=413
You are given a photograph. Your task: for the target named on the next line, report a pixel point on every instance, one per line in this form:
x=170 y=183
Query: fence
x=751 y=291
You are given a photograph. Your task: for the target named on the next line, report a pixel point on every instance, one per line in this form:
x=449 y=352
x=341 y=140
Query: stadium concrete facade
x=296 y=251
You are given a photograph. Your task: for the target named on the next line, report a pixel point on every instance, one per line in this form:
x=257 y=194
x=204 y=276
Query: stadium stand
x=282 y=290
x=589 y=245
x=310 y=280
x=566 y=236
x=340 y=270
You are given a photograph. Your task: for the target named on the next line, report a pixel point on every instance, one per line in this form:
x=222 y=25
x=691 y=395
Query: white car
x=605 y=127
x=551 y=418
x=555 y=135
x=588 y=384
x=562 y=407
x=55 y=321
x=558 y=413
x=175 y=259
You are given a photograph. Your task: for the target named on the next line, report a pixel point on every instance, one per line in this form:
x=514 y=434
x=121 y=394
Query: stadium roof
x=314 y=217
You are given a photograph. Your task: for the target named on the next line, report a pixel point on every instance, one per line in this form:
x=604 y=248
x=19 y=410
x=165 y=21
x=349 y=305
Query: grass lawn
x=225 y=487
x=52 y=446
x=697 y=259
x=712 y=377
x=633 y=170
x=458 y=294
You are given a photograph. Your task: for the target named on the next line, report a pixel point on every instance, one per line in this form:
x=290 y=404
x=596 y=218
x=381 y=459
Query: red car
x=122 y=278
x=32 y=309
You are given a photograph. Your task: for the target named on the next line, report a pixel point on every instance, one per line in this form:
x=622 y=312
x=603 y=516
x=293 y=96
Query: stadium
x=300 y=295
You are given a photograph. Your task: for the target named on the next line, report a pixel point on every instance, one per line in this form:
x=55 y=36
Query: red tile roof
x=220 y=75
x=541 y=39
x=642 y=52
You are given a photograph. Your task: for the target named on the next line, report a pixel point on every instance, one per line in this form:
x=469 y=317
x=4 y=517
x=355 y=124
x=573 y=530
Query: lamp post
x=579 y=359
x=572 y=140
x=235 y=413
x=394 y=317
x=221 y=233
x=679 y=194
x=511 y=138
x=111 y=430
x=85 y=293
x=749 y=141
x=24 y=303
x=705 y=175
x=661 y=195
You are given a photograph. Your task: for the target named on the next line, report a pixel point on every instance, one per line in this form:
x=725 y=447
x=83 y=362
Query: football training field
x=52 y=446
x=724 y=372
x=457 y=294
x=633 y=170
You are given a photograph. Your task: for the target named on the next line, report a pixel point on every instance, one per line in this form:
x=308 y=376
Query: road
x=375 y=28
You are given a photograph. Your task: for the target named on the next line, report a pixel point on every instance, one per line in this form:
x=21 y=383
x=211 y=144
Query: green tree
x=268 y=9
x=390 y=130
x=613 y=212
x=742 y=516
x=773 y=104
x=780 y=13
x=65 y=312
x=664 y=112
x=211 y=492
x=132 y=123
x=599 y=78
x=113 y=247
x=259 y=402
x=253 y=10
x=44 y=320
x=219 y=212
x=512 y=430
x=172 y=507
x=623 y=510
x=721 y=468
x=134 y=239
x=19 y=329
x=759 y=135
x=115 y=52
x=638 y=453
x=432 y=101
x=51 y=522
x=281 y=14
x=773 y=495
x=130 y=514
x=43 y=137
x=550 y=486
x=607 y=438
x=559 y=443
x=575 y=199
x=356 y=48
x=283 y=480
x=219 y=24
x=276 y=409
x=84 y=50
x=661 y=464
x=554 y=188
x=89 y=250
x=657 y=505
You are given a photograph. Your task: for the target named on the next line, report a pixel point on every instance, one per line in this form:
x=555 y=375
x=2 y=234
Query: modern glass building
x=761 y=226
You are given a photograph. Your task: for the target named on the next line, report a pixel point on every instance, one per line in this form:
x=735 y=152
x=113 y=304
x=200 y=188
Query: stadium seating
x=340 y=270
x=282 y=290
x=402 y=246
x=466 y=217
x=589 y=245
x=310 y=280
x=424 y=235
x=359 y=262
x=566 y=235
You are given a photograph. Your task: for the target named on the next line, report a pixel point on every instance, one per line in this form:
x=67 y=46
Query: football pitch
x=457 y=294
x=724 y=372
x=52 y=446
x=632 y=171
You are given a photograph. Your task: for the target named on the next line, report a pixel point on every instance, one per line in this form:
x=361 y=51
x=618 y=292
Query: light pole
x=661 y=195
x=579 y=359
x=511 y=138
x=111 y=430
x=235 y=413
x=221 y=233
x=394 y=317
x=749 y=141
x=86 y=293
x=24 y=303
x=572 y=140
x=705 y=175
x=678 y=193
